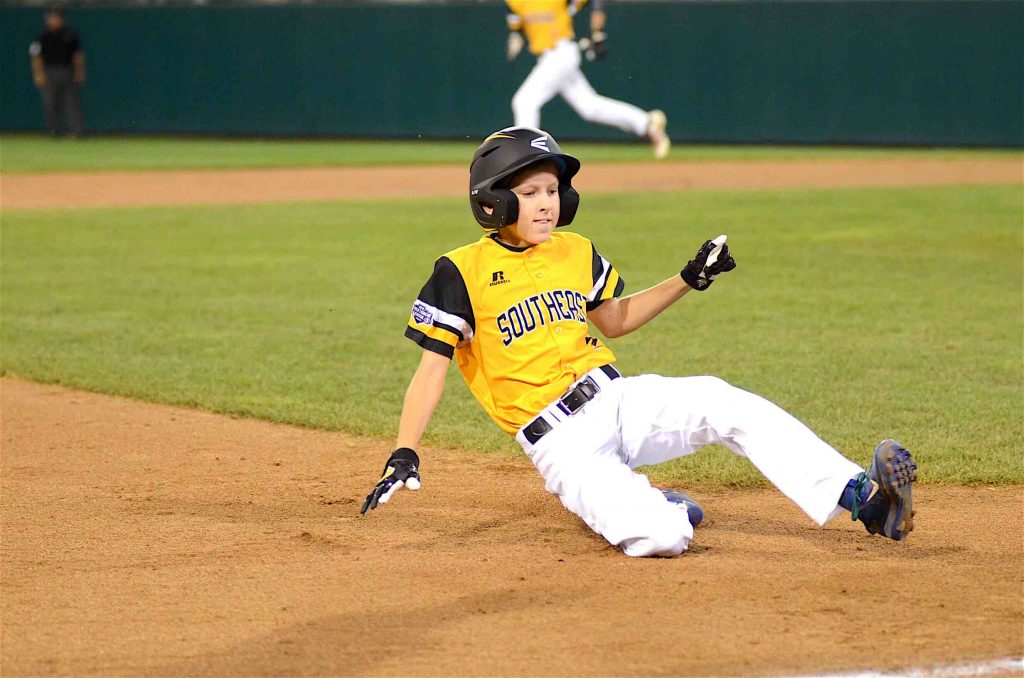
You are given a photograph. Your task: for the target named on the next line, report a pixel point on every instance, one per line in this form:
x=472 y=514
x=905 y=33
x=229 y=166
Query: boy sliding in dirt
x=512 y=309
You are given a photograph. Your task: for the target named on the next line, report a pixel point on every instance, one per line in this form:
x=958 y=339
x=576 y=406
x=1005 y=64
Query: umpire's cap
x=503 y=154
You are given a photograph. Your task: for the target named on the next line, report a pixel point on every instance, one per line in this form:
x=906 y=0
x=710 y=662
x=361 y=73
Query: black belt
x=578 y=396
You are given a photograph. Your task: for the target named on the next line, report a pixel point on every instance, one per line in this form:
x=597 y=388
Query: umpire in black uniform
x=58 y=68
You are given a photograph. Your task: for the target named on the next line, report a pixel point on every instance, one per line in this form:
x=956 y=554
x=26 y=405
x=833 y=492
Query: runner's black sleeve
x=442 y=315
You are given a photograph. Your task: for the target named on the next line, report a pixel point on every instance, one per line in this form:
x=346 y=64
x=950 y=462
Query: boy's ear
x=488 y=209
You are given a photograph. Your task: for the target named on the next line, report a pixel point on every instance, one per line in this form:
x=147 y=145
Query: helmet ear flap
x=507 y=209
x=503 y=203
x=570 y=202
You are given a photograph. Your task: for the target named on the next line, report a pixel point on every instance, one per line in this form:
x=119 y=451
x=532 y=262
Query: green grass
x=28 y=153
x=866 y=312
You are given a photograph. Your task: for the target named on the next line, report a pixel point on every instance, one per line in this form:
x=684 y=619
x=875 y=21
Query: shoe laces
x=859 y=484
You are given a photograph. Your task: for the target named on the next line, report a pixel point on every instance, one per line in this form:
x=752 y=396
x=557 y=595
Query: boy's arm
x=421 y=398
x=616 y=317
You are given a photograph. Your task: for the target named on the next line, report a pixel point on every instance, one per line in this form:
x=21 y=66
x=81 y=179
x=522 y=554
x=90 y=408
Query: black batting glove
x=401 y=470
x=698 y=274
x=599 y=43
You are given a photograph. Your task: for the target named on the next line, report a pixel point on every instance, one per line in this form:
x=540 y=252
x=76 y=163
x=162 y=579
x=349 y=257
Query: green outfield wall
x=947 y=72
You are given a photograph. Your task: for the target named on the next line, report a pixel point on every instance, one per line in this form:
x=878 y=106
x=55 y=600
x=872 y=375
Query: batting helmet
x=503 y=154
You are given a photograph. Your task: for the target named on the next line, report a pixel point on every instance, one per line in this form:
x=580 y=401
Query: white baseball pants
x=588 y=458
x=558 y=72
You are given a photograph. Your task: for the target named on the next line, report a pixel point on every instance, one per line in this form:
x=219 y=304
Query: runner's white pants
x=558 y=72
x=588 y=458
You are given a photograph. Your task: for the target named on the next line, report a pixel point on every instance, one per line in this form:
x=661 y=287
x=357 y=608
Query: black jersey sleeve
x=442 y=315
x=607 y=281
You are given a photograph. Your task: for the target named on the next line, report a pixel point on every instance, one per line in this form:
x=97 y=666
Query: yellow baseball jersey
x=544 y=22
x=515 y=320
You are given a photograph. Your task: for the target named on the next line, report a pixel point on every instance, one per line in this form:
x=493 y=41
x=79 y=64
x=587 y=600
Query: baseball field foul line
x=995 y=667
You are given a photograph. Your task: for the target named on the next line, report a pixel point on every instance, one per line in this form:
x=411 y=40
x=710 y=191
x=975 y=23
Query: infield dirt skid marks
x=147 y=539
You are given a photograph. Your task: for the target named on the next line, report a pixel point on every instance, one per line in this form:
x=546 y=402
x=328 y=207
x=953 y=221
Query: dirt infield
x=146 y=539
x=107 y=189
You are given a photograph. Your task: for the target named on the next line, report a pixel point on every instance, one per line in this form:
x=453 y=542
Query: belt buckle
x=579 y=396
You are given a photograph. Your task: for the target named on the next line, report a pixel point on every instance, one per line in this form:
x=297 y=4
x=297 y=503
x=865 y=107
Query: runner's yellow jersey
x=515 y=320
x=544 y=22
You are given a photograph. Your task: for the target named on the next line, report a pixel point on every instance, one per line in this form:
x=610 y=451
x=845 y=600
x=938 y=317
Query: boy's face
x=539 y=205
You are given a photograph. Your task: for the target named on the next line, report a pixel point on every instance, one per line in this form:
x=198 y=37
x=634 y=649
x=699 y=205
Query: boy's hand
x=698 y=274
x=401 y=470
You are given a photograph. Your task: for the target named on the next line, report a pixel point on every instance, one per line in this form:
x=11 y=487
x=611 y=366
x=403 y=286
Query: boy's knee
x=520 y=103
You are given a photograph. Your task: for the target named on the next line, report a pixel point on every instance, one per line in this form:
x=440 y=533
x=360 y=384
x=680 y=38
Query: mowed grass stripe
x=866 y=313
x=37 y=153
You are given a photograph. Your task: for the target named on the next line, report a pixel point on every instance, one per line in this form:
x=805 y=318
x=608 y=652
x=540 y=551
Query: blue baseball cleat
x=683 y=500
x=882 y=498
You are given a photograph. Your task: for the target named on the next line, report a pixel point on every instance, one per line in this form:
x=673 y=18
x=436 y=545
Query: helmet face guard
x=502 y=155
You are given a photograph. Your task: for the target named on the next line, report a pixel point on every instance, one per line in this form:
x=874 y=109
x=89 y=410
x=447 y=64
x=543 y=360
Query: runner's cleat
x=683 y=500
x=660 y=141
x=882 y=497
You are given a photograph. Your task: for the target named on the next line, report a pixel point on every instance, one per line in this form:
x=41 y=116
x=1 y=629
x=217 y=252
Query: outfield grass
x=28 y=153
x=865 y=312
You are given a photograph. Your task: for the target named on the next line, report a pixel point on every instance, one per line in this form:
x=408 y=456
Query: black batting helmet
x=503 y=154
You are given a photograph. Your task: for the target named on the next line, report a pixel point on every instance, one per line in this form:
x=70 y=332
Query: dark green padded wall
x=875 y=71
